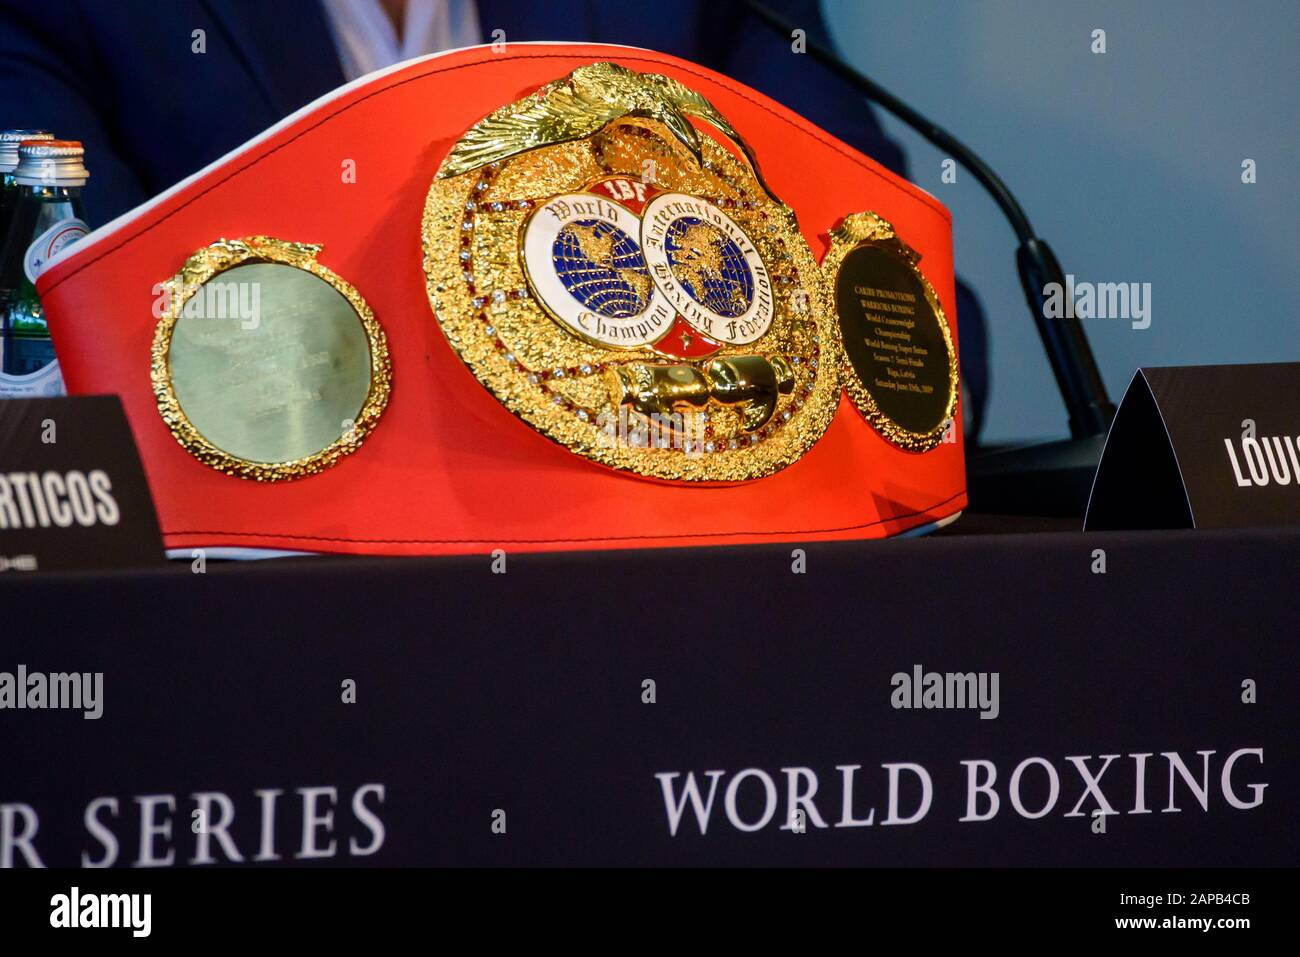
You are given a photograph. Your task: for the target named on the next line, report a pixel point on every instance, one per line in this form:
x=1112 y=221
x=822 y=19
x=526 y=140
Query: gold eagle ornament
x=583 y=103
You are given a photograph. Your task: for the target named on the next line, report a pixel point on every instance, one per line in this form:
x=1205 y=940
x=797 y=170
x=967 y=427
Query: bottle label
x=45 y=381
x=44 y=246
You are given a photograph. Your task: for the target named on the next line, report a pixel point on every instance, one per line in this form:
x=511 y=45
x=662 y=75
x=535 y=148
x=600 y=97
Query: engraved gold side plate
x=896 y=351
x=265 y=364
x=627 y=285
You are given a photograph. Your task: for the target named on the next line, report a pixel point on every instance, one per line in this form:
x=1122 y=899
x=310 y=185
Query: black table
x=516 y=701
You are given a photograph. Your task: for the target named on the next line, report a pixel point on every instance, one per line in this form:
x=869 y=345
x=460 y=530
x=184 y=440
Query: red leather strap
x=449 y=469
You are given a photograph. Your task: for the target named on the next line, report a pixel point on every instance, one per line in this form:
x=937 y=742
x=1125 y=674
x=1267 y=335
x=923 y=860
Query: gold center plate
x=696 y=399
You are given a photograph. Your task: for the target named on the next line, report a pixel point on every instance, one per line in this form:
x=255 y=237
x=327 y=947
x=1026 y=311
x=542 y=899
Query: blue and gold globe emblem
x=710 y=266
x=584 y=262
x=601 y=266
x=637 y=270
x=707 y=267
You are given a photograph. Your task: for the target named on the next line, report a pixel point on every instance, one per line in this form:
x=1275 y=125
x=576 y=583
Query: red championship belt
x=556 y=297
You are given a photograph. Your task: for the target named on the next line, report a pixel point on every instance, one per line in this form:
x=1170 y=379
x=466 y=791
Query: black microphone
x=1071 y=358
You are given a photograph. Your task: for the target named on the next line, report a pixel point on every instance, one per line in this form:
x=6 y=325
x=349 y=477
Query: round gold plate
x=266 y=365
x=892 y=330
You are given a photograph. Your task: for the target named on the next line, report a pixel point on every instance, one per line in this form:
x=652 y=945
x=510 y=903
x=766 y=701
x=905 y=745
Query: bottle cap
x=9 y=140
x=51 y=163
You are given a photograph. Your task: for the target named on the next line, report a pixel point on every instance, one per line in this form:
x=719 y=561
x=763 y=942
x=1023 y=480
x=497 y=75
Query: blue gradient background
x=1128 y=163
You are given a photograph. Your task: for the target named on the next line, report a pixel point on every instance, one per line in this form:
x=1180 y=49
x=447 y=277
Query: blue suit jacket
x=122 y=77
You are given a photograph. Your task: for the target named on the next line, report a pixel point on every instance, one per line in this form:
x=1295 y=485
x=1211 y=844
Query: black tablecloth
x=503 y=718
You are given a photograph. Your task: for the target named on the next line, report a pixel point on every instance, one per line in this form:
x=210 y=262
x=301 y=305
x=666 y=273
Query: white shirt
x=367 y=40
